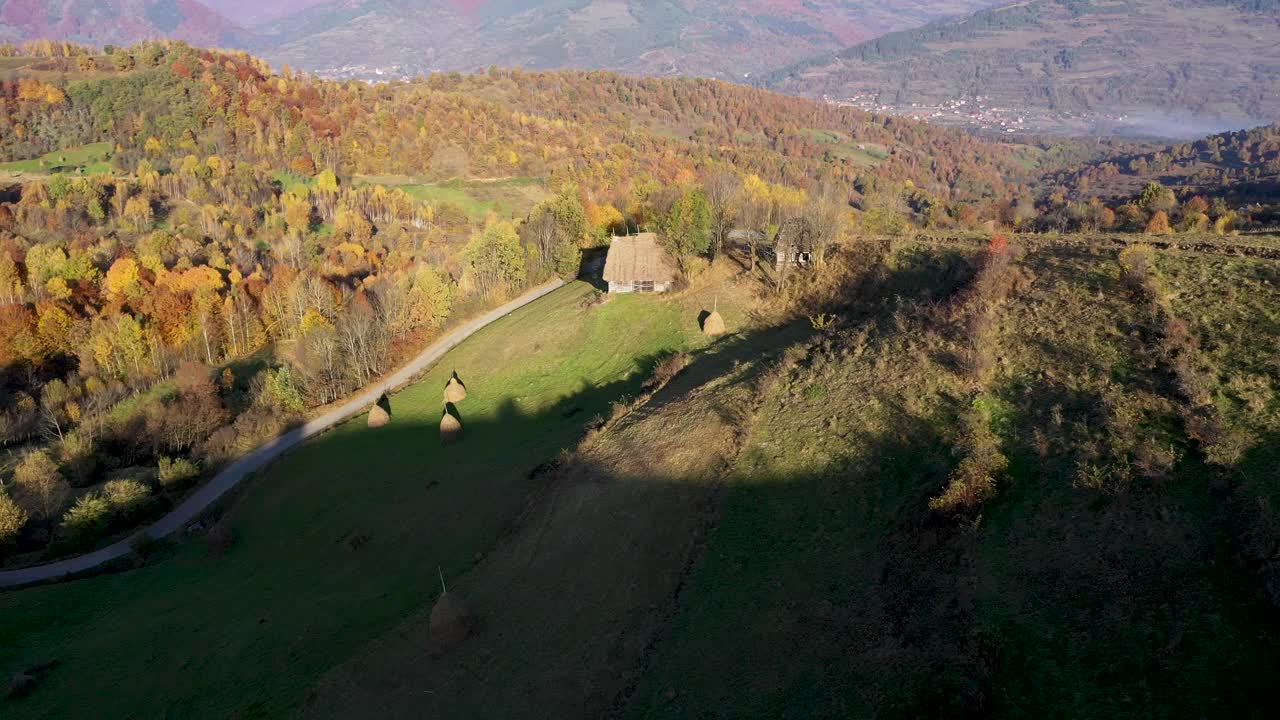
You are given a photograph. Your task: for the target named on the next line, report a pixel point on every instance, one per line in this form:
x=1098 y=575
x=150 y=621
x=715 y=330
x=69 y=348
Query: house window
x=644 y=286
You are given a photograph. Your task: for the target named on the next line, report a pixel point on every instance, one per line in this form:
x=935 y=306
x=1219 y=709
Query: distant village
x=369 y=73
x=981 y=112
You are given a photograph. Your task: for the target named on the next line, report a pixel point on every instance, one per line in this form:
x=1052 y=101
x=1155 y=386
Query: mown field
x=340 y=541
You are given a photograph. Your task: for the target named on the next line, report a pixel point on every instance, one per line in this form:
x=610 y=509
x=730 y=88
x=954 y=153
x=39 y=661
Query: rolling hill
x=101 y=22
x=252 y=12
x=379 y=39
x=1242 y=166
x=1161 y=67
x=359 y=38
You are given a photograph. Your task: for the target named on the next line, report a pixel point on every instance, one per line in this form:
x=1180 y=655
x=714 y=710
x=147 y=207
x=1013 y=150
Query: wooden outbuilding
x=794 y=246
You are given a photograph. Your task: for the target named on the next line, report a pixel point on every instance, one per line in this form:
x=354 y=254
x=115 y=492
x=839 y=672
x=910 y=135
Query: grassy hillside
x=1109 y=572
x=1020 y=481
x=1159 y=67
x=338 y=543
x=1117 y=564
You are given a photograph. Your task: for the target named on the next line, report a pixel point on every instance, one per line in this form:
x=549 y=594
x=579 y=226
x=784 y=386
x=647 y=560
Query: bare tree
x=723 y=190
x=829 y=219
x=362 y=336
x=53 y=403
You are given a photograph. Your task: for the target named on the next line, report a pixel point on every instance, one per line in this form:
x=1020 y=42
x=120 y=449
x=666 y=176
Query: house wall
x=795 y=259
x=619 y=288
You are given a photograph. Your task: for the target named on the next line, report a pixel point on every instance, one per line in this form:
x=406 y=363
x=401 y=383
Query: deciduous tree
x=39 y=486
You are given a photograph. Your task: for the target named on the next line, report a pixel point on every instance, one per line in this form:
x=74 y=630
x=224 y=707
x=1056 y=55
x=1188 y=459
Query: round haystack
x=455 y=391
x=378 y=416
x=450 y=429
x=713 y=325
x=451 y=621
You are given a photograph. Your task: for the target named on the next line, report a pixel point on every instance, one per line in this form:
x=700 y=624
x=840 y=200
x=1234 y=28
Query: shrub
x=79 y=456
x=695 y=267
x=219 y=446
x=281 y=390
x=97 y=513
x=257 y=425
x=1137 y=265
x=127 y=497
x=823 y=322
x=666 y=370
x=595 y=299
x=1159 y=224
x=87 y=520
x=972 y=483
x=40 y=486
x=12 y=519
x=974 y=480
x=176 y=472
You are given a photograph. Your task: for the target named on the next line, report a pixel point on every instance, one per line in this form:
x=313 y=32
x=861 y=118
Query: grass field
x=506 y=197
x=289 y=182
x=865 y=154
x=246 y=634
x=477 y=198
x=82 y=160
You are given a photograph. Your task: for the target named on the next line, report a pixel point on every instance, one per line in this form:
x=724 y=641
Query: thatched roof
x=451 y=621
x=639 y=258
x=797 y=235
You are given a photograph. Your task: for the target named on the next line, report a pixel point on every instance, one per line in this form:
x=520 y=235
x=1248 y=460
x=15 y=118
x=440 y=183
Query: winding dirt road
x=246 y=465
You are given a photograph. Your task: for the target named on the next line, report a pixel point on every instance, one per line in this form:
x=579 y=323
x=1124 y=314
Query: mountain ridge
x=1160 y=67
x=104 y=22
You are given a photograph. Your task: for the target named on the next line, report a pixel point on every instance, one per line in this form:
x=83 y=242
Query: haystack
x=713 y=325
x=450 y=427
x=451 y=621
x=455 y=391
x=378 y=415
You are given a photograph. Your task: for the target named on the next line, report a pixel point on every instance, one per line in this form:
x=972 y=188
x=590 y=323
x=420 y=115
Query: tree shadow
x=591 y=268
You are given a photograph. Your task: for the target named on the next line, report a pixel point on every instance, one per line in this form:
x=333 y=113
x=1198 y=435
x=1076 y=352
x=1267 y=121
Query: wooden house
x=794 y=244
x=639 y=263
